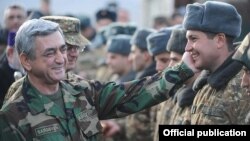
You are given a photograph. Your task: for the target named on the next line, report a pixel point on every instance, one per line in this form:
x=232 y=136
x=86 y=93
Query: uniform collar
x=38 y=103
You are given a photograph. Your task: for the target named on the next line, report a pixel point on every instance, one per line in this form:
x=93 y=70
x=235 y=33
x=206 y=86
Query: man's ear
x=146 y=55
x=25 y=61
x=9 y=52
x=221 y=40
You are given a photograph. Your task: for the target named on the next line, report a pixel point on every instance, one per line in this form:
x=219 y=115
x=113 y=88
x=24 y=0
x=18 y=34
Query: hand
x=110 y=128
x=187 y=59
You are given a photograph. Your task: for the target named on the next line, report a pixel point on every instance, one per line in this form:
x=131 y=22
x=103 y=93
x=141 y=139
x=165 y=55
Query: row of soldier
x=199 y=77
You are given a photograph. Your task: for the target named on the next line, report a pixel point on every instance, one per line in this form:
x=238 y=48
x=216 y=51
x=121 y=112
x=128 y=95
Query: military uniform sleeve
x=7 y=133
x=114 y=100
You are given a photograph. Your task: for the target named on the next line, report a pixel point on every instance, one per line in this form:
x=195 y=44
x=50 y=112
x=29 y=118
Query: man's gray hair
x=27 y=33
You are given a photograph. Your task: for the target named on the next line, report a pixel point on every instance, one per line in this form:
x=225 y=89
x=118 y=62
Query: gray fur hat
x=119 y=44
x=213 y=16
x=157 y=41
x=177 y=41
x=139 y=38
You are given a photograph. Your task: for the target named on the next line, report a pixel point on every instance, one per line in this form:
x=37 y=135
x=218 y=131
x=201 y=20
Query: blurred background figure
x=160 y=22
x=104 y=17
x=14 y=16
x=140 y=126
x=103 y=73
x=9 y=64
x=87 y=29
x=123 y=15
x=118 y=49
x=143 y=62
x=44 y=10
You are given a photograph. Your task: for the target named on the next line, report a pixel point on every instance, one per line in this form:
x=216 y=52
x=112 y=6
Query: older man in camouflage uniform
x=242 y=55
x=211 y=29
x=51 y=109
x=75 y=42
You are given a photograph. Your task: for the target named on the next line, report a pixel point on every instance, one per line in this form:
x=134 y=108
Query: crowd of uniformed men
x=61 y=79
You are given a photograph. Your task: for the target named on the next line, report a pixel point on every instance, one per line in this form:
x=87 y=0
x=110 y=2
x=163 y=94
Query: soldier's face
x=14 y=18
x=245 y=82
x=204 y=51
x=138 y=58
x=174 y=58
x=50 y=59
x=162 y=61
x=117 y=63
x=72 y=54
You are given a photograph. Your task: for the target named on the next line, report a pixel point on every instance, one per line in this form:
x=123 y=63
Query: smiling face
x=72 y=54
x=203 y=50
x=50 y=59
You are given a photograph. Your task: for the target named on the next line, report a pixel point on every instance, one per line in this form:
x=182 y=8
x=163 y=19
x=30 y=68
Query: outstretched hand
x=187 y=59
x=110 y=128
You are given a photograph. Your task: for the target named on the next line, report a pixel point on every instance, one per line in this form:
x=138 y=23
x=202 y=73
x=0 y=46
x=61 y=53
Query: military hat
x=139 y=38
x=119 y=44
x=213 y=16
x=71 y=29
x=106 y=14
x=157 y=41
x=119 y=28
x=177 y=41
x=243 y=52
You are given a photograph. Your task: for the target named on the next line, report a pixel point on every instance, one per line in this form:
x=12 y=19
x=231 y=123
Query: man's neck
x=220 y=61
x=126 y=70
x=43 y=87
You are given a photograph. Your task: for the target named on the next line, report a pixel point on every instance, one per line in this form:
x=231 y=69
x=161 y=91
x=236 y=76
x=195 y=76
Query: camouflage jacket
x=220 y=99
x=176 y=110
x=32 y=116
x=12 y=95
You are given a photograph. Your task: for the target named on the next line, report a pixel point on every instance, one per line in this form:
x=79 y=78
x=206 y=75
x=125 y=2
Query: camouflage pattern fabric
x=71 y=29
x=13 y=88
x=243 y=53
x=227 y=105
x=171 y=113
x=38 y=118
x=141 y=126
x=12 y=95
x=247 y=120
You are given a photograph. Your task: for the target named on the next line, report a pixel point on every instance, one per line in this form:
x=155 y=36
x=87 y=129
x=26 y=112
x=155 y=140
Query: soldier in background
x=118 y=49
x=103 y=73
x=160 y=22
x=9 y=66
x=14 y=16
x=211 y=29
x=242 y=55
x=104 y=17
x=176 y=110
x=143 y=62
x=139 y=126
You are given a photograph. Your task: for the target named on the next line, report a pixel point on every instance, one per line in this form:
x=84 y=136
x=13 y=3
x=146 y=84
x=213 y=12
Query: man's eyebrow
x=49 y=49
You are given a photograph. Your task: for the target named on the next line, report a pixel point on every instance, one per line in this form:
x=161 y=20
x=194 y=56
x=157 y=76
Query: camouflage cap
x=71 y=29
x=243 y=52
